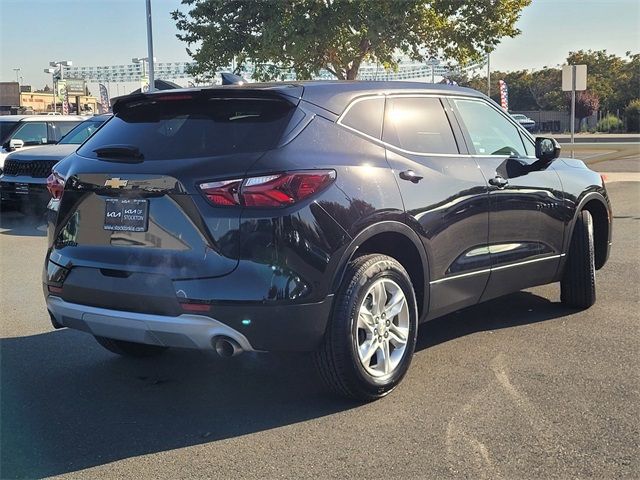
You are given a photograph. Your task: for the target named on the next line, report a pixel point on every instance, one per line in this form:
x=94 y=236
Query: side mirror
x=547 y=149
x=15 y=143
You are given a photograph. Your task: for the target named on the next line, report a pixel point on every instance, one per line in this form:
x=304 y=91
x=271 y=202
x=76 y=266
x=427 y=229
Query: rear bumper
x=187 y=330
x=256 y=327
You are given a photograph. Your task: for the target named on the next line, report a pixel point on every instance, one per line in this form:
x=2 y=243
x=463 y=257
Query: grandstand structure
x=430 y=71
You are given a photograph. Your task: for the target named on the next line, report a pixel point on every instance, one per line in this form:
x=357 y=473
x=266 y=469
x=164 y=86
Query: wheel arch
x=399 y=241
x=598 y=206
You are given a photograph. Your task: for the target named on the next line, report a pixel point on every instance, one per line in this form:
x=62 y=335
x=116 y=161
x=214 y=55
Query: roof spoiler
x=231 y=79
x=288 y=92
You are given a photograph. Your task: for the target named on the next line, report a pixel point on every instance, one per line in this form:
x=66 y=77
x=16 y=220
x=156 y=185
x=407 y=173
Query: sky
x=105 y=32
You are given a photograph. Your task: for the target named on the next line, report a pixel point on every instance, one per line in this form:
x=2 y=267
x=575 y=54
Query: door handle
x=498 y=181
x=410 y=175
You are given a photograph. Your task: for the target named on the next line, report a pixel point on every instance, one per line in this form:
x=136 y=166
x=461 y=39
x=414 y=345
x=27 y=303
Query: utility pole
x=152 y=80
x=488 y=75
x=573 y=106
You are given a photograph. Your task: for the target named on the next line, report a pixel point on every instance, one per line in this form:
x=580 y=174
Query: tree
x=306 y=36
x=587 y=103
x=632 y=112
x=614 y=80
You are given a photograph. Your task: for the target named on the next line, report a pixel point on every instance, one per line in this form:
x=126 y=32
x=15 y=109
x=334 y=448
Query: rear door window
x=5 y=129
x=418 y=125
x=176 y=129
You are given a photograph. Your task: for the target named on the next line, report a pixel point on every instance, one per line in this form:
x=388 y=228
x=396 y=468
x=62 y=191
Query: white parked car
x=525 y=121
x=24 y=131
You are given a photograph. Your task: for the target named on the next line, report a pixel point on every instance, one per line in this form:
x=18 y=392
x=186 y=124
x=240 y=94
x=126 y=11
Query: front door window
x=490 y=132
x=32 y=133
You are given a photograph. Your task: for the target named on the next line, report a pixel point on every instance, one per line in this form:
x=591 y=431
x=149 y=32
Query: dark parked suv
x=332 y=217
x=24 y=177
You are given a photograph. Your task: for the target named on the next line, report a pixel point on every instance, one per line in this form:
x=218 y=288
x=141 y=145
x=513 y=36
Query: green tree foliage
x=306 y=36
x=613 y=80
x=632 y=112
x=587 y=103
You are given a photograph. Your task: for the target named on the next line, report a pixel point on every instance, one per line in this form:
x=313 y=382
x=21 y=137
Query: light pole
x=488 y=75
x=52 y=71
x=152 y=77
x=60 y=66
x=144 y=61
x=59 y=75
x=17 y=70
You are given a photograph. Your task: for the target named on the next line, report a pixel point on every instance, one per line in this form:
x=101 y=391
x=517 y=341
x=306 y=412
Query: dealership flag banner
x=105 y=107
x=504 y=95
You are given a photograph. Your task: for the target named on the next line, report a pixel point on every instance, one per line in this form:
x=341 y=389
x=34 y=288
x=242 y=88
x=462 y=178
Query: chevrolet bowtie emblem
x=115 y=183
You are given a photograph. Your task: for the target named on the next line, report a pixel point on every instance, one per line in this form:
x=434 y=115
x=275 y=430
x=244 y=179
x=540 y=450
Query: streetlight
x=144 y=61
x=57 y=75
x=60 y=65
x=17 y=70
x=52 y=71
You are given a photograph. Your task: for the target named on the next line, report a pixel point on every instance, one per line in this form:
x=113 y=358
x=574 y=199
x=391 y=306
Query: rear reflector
x=195 y=307
x=266 y=191
x=170 y=97
x=53 y=289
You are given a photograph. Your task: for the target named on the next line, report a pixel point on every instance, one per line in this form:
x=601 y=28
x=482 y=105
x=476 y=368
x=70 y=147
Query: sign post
x=574 y=78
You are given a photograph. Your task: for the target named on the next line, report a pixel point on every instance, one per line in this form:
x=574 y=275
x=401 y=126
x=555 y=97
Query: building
x=42 y=102
x=9 y=97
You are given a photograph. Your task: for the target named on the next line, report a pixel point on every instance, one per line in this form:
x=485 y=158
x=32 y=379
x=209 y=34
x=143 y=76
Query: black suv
x=24 y=177
x=332 y=217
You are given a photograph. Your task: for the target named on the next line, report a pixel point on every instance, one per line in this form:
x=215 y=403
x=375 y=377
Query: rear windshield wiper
x=120 y=153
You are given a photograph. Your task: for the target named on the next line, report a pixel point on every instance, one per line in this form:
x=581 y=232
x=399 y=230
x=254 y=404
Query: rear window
x=175 y=129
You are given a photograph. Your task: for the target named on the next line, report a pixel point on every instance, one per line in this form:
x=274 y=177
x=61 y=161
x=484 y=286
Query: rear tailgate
x=131 y=201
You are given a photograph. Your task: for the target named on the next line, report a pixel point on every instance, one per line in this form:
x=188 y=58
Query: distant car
x=525 y=121
x=23 y=182
x=24 y=131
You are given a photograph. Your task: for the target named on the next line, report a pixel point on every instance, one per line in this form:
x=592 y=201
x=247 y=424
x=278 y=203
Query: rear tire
x=130 y=349
x=578 y=284
x=371 y=336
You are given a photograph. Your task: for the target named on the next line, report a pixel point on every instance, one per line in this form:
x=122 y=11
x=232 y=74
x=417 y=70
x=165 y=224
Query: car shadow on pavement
x=68 y=405
x=520 y=308
x=15 y=223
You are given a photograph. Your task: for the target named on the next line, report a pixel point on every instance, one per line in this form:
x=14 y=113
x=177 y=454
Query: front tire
x=130 y=349
x=578 y=284
x=371 y=337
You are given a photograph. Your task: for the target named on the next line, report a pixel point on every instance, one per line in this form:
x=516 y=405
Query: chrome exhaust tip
x=226 y=347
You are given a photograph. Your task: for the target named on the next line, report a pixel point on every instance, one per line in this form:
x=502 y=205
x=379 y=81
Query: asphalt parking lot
x=519 y=387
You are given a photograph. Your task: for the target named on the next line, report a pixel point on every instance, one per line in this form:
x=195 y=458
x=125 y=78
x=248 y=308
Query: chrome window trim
x=501 y=267
x=423 y=95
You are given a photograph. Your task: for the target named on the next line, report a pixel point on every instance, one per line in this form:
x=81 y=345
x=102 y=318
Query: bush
x=610 y=123
x=632 y=112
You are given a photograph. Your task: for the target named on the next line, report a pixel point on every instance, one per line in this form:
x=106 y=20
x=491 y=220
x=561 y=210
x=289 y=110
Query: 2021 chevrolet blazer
x=330 y=217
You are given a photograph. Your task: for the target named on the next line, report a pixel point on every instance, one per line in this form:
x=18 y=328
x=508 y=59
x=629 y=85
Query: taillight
x=276 y=190
x=55 y=185
x=224 y=193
